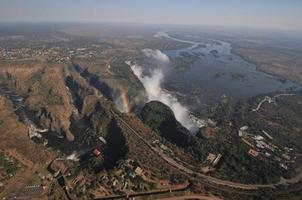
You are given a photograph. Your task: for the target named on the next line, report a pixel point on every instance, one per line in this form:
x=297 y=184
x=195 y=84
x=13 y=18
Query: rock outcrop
x=160 y=117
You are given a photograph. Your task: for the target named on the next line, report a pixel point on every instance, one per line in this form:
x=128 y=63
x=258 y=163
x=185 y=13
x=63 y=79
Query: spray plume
x=152 y=83
x=125 y=98
x=122 y=100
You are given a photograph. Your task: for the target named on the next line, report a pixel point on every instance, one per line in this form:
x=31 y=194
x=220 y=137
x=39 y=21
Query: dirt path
x=192 y=197
x=297 y=178
x=176 y=188
x=16 y=183
x=13 y=153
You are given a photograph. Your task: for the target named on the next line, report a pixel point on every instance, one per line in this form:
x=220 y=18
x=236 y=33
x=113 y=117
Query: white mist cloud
x=119 y=102
x=161 y=35
x=152 y=84
x=157 y=55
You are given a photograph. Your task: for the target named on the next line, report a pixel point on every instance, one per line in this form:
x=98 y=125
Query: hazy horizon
x=269 y=14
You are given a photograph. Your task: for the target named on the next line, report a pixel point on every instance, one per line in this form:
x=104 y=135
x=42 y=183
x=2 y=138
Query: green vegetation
x=185 y=60
x=219 y=74
x=235 y=76
x=78 y=98
x=214 y=53
x=8 y=165
x=274 y=55
x=161 y=118
x=116 y=148
x=8 y=168
x=281 y=119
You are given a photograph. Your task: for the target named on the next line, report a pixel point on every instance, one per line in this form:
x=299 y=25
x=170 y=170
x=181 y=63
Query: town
x=59 y=54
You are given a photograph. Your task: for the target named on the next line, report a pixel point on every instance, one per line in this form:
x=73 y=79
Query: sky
x=269 y=14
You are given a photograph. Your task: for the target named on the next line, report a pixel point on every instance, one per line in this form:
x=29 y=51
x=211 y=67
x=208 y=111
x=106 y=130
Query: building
x=260 y=144
x=96 y=152
x=267 y=154
x=217 y=159
x=211 y=157
x=102 y=140
x=247 y=142
x=258 y=137
x=199 y=122
x=242 y=131
x=283 y=166
x=253 y=152
x=267 y=135
x=139 y=171
x=244 y=128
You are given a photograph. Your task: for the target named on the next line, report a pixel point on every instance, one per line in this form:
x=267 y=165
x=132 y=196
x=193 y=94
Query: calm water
x=221 y=72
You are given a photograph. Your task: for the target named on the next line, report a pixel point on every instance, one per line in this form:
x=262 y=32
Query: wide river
x=217 y=71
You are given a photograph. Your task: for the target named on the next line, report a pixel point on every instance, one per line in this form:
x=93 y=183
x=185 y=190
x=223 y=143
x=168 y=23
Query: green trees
x=160 y=117
x=116 y=148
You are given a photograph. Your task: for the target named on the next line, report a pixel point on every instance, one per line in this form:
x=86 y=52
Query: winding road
x=191 y=173
x=270 y=100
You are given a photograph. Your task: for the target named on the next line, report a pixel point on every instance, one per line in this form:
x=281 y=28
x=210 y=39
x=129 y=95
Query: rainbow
x=125 y=98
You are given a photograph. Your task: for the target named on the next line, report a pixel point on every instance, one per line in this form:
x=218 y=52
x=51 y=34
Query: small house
x=96 y=152
x=253 y=152
x=211 y=157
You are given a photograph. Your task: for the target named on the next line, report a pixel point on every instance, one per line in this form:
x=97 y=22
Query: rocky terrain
x=85 y=122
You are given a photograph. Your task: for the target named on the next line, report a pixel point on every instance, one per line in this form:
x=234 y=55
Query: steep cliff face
x=53 y=92
x=49 y=97
x=19 y=74
x=44 y=87
x=160 y=117
x=95 y=80
x=79 y=90
x=115 y=81
x=14 y=135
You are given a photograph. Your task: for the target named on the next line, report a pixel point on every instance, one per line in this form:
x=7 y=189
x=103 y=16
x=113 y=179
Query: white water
x=152 y=83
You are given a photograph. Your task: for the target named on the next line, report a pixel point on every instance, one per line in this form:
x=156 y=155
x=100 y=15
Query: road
x=147 y=193
x=192 y=197
x=270 y=100
x=191 y=173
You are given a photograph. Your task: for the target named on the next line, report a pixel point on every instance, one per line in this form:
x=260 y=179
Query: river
x=213 y=69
